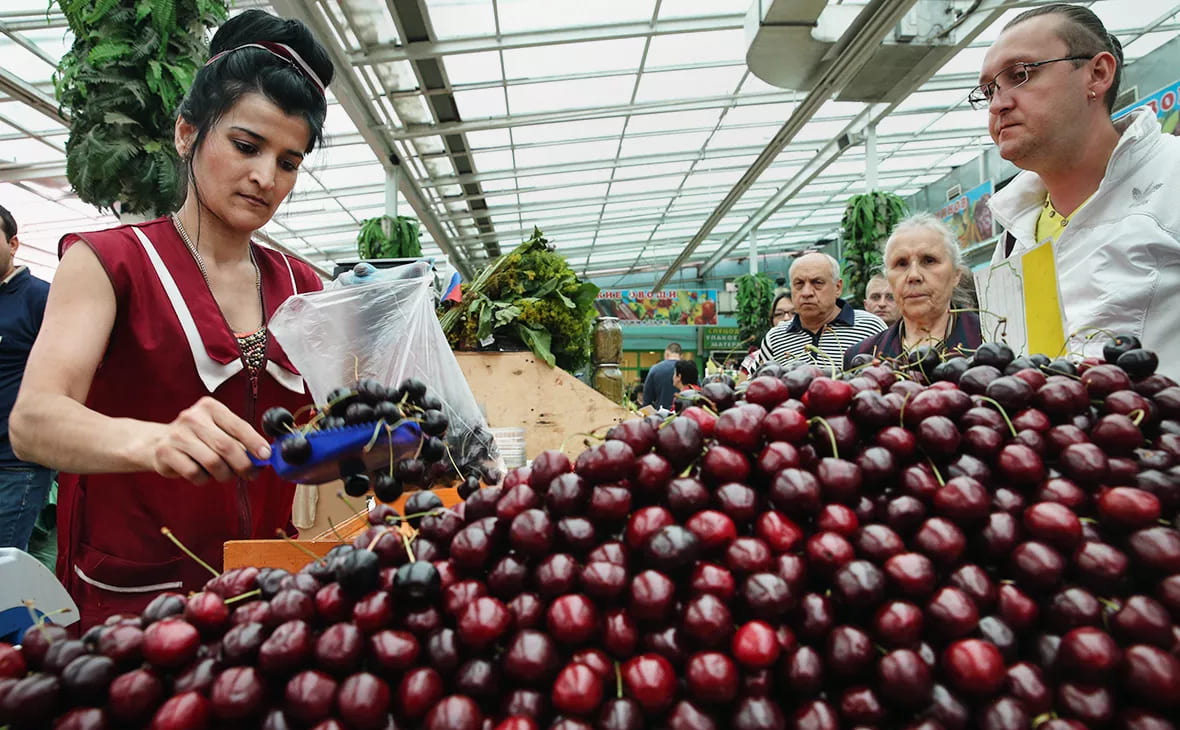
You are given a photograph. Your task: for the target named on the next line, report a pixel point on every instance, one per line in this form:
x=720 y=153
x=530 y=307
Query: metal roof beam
x=348 y=90
x=601 y=112
x=919 y=73
x=853 y=50
x=435 y=49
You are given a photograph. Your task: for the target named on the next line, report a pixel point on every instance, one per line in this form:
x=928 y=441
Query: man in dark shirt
x=24 y=487
x=658 y=390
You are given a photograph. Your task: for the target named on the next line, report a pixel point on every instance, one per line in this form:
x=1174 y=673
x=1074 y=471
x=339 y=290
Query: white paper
x=1000 y=289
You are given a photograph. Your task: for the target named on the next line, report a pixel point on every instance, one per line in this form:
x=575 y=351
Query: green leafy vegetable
x=386 y=237
x=530 y=296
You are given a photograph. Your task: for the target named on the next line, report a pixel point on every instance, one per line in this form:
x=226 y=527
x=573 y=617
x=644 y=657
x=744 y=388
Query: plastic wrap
x=386 y=330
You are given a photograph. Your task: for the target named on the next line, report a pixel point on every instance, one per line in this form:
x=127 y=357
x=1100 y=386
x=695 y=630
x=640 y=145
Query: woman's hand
x=207 y=441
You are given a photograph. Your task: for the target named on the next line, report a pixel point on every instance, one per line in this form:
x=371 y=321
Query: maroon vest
x=169 y=347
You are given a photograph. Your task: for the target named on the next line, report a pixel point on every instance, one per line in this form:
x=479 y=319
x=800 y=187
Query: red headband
x=283 y=51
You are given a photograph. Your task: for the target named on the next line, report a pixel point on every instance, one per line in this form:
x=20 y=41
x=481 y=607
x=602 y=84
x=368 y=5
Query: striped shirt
x=789 y=341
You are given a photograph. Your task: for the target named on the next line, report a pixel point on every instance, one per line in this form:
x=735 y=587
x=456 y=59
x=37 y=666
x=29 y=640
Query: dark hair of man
x=219 y=85
x=1084 y=35
x=687 y=370
x=7 y=222
x=673 y=348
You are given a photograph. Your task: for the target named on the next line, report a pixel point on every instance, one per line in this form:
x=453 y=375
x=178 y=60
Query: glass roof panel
x=573 y=58
x=581 y=191
x=461 y=18
x=630 y=171
x=665 y=121
x=481 y=103
x=472 y=68
x=520 y=16
x=662 y=85
x=758 y=114
x=647 y=145
x=488 y=138
x=488 y=161
x=564 y=131
x=743 y=137
x=562 y=153
x=564 y=178
x=1119 y=16
x=905 y=124
x=573 y=94
x=679 y=49
x=695 y=8
x=1146 y=43
x=665 y=182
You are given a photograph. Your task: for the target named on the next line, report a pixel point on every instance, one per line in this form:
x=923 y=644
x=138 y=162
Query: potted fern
x=388 y=237
x=868 y=220
x=754 y=295
x=121 y=82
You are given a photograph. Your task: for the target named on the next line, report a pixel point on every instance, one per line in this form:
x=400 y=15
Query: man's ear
x=14 y=244
x=839 y=287
x=1102 y=74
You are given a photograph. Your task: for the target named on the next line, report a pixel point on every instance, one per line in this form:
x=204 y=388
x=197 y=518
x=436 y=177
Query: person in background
x=155 y=362
x=879 y=299
x=924 y=264
x=658 y=390
x=685 y=376
x=782 y=309
x=24 y=486
x=1103 y=193
x=824 y=325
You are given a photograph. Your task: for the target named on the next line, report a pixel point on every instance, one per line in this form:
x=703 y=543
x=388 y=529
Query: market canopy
x=633 y=132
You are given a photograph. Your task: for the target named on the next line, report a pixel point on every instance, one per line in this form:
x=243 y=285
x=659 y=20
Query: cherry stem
x=168 y=534
x=389 y=519
x=287 y=538
x=831 y=435
x=937 y=474
x=409 y=550
x=380 y=534
x=618 y=681
x=244 y=596
x=1137 y=418
x=335 y=532
x=40 y=621
x=831 y=363
x=451 y=458
x=901 y=411
x=356 y=368
x=1003 y=413
x=348 y=503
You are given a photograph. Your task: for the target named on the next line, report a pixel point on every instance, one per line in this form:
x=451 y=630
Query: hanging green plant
x=868 y=220
x=754 y=295
x=121 y=82
x=388 y=237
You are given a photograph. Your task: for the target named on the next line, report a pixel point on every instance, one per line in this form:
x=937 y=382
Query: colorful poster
x=1165 y=106
x=679 y=306
x=969 y=217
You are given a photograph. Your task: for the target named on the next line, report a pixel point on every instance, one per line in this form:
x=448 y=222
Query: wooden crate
x=278 y=553
x=515 y=389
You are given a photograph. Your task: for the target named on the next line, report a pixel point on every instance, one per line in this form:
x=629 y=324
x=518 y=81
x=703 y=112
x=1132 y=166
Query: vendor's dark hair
x=219 y=85
x=774 y=302
x=687 y=370
x=8 y=223
x=1084 y=35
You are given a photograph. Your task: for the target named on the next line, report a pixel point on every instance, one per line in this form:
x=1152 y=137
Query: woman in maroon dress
x=154 y=363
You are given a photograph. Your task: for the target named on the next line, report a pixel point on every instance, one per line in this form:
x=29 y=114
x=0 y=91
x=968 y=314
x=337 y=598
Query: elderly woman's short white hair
x=926 y=221
x=831 y=262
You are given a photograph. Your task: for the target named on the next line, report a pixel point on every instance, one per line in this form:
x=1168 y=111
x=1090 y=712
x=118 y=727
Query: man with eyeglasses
x=1102 y=194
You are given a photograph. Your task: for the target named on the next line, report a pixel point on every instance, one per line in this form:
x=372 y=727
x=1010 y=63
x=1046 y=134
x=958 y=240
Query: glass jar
x=607 y=340
x=608 y=380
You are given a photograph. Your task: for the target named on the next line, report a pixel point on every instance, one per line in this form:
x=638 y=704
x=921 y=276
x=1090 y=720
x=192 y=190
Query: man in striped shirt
x=824 y=325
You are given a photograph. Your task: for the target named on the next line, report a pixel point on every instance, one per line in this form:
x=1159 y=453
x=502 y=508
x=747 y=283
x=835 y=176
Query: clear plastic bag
x=386 y=330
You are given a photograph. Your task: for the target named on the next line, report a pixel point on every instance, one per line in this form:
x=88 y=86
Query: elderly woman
x=782 y=309
x=923 y=265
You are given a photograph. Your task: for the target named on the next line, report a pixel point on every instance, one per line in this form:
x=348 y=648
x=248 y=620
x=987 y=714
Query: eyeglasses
x=1009 y=78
